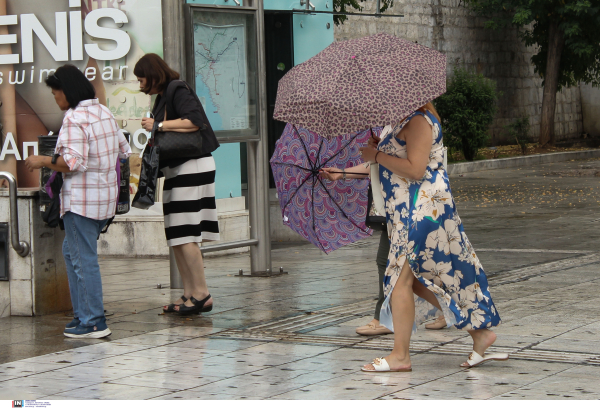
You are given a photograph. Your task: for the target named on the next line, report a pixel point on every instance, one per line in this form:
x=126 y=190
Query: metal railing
x=20 y=247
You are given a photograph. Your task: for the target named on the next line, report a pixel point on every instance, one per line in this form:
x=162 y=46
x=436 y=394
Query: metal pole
x=228 y=245
x=253 y=214
x=174 y=35
x=377 y=11
x=175 y=276
x=258 y=181
x=174 y=55
x=21 y=247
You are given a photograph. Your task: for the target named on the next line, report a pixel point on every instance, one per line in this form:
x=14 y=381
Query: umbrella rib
x=318 y=166
x=338 y=206
x=313 y=213
x=291 y=164
x=305 y=149
x=339 y=151
x=294 y=193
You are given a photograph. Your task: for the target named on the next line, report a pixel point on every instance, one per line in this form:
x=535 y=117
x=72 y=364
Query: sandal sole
x=403 y=370
x=374 y=334
x=481 y=362
x=205 y=310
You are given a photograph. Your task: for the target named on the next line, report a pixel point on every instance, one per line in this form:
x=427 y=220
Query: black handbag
x=178 y=145
x=146 y=194
x=374 y=220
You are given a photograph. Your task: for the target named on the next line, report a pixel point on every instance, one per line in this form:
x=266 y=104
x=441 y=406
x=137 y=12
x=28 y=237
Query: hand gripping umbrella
x=361 y=83
x=330 y=214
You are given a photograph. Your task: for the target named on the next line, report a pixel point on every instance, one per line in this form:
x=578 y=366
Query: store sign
x=30 y=25
x=103 y=38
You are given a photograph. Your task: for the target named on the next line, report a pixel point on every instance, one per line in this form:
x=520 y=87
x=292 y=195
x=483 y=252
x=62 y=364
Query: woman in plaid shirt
x=88 y=147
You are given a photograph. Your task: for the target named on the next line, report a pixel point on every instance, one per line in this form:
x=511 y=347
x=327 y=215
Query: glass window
x=225 y=71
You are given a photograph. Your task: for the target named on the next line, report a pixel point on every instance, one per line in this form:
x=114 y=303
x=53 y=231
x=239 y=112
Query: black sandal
x=171 y=308
x=197 y=308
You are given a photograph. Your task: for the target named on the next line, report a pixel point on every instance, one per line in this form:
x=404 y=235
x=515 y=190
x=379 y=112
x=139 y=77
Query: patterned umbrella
x=357 y=84
x=330 y=214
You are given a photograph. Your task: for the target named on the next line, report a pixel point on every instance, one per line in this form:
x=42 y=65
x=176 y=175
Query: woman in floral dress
x=430 y=254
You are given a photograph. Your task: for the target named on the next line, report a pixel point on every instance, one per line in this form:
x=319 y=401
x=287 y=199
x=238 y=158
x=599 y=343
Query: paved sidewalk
x=536 y=231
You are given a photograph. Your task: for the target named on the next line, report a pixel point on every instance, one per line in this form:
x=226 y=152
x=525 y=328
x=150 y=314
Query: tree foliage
x=578 y=20
x=349 y=6
x=467 y=109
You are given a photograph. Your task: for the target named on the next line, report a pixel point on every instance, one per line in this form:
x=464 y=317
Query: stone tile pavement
x=292 y=337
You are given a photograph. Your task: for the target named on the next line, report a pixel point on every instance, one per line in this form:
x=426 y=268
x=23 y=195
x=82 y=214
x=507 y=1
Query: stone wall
x=590 y=100
x=141 y=233
x=451 y=28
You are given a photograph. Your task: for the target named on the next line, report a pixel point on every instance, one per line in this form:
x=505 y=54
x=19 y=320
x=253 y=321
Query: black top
x=181 y=103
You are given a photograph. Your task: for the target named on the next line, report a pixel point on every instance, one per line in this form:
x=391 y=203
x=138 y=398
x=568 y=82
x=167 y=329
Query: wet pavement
x=536 y=231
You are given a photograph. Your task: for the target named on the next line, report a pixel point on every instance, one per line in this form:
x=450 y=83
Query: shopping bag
x=146 y=194
x=122 y=170
x=51 y=215
x=123 y=173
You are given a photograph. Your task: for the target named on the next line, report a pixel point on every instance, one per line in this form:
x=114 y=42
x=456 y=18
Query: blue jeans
x=80 y=250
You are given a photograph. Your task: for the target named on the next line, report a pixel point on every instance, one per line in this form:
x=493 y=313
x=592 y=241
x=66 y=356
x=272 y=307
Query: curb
x=471 y=167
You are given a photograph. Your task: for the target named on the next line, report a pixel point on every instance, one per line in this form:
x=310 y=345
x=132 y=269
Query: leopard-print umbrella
x=356 y=84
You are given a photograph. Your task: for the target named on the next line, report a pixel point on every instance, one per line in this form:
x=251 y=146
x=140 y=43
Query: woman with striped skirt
x=189 y=189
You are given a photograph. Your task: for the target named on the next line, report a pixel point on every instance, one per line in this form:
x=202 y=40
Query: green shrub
x=519 y=131
x=467 y=109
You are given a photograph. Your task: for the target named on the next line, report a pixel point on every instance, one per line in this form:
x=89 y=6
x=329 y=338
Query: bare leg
x=381 y=261
x=421 y=291
x=191 y=266
x=185 y=277
x=482 y=339
x=403 y=316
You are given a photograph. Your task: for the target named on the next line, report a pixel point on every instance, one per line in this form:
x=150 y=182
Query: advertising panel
x=103 y=38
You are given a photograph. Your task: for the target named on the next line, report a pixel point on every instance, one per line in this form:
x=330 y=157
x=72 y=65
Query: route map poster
x=221 y=69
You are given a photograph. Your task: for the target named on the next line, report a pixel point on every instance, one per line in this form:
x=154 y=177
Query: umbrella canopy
x=330 y=214
x=357 y=84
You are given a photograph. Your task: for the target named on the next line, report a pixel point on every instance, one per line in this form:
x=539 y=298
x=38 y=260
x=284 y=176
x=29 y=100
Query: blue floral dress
x=425 y=229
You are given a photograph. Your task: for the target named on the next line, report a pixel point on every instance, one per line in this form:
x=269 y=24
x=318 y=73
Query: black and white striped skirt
x=189 y=202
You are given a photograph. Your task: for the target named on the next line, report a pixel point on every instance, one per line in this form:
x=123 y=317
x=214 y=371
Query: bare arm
x=37 y=162
x=179 y=125
x=418 y=136
x=175 y=125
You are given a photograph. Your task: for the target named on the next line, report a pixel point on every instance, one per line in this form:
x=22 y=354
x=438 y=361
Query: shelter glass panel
x=225 y=71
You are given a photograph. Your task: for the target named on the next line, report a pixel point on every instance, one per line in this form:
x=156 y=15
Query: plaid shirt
x=90 y=142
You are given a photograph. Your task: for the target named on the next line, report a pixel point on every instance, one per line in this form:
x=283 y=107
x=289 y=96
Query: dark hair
x=156 y=72
x=73 y=83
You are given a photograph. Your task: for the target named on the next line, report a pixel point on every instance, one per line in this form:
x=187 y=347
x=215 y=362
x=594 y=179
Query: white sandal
x=381 y=365
x=475 y=359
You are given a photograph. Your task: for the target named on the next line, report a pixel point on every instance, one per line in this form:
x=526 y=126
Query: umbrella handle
x=347 y=172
